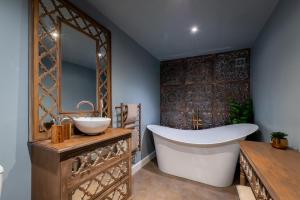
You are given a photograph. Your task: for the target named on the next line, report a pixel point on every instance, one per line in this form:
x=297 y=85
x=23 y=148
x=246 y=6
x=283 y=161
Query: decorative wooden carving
x=45 y=69
x=206 y=83
x=121 y=192
x=247 y=171
x=101 y=182
x=85 y=162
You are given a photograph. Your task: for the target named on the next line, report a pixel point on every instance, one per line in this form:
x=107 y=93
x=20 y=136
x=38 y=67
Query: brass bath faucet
x=196 y=120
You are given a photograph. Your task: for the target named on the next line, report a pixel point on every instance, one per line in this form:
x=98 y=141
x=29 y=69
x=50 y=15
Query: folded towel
x=131 y=125
x=132 y=113
x=135 y=135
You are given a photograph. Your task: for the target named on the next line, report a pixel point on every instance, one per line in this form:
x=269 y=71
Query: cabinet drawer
x=85 y=162
x=101 y=182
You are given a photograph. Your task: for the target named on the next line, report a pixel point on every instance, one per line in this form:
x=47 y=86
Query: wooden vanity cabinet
x=83 y=168
x=272 y=174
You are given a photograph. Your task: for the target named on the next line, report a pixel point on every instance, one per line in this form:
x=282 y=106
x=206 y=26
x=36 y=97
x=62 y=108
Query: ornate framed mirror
x=71 y=62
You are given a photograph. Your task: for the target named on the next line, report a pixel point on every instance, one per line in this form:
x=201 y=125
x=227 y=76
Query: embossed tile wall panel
x=174 y=119
x=173 y=98
x=172 y=72
x=199 y=69
x=232 y=66
x=204 y=83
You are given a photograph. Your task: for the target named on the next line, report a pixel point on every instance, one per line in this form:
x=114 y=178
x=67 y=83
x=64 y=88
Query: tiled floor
x=151 y=184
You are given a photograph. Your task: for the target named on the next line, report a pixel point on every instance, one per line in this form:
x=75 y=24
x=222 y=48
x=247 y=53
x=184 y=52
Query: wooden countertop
x=279 y=170
x=78 y=141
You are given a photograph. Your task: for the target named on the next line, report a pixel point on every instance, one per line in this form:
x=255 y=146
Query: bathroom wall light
x=194 y=29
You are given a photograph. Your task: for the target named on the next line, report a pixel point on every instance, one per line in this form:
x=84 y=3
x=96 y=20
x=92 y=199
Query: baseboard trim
x=136 y=167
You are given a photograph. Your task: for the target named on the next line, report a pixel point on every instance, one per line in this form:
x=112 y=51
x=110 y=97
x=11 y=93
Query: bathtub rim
x=202 y=145
x=243 y=137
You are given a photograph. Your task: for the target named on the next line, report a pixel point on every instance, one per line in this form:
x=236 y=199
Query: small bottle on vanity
x=68 y=128
x=57 y=132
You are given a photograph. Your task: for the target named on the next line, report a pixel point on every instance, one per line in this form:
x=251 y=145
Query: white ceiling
x=163 y=26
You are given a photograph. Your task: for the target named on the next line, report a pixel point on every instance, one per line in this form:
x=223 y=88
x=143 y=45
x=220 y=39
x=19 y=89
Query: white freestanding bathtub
x=208 y=156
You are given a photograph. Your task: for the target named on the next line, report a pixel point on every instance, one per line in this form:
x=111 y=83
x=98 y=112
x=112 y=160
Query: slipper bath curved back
x=208 y=156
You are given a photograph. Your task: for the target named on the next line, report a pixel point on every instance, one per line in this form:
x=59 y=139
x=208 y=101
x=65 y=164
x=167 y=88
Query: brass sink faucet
x=85 y=102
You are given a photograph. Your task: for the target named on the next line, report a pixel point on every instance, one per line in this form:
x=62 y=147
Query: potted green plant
x=240 y=112
x=279 y=140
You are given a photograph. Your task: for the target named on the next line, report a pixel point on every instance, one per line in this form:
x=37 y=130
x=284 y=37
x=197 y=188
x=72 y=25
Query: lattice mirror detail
x=47 y=18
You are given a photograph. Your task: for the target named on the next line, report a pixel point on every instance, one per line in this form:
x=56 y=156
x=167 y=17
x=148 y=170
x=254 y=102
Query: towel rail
x=122 y=116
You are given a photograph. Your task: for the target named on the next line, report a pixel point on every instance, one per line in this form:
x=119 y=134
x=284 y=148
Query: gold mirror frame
x=47 y=16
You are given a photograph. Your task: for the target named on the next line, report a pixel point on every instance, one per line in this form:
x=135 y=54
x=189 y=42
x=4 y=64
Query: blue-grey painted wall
x=135 y=77
x=276 y=73
x=14 y=154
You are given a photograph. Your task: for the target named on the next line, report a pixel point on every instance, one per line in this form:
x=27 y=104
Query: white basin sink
x=92 y=125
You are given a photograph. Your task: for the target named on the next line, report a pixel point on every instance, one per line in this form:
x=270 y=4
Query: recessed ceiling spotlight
x=194 y=29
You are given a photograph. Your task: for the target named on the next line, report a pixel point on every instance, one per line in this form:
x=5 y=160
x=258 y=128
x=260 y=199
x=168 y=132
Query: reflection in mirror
x=78 y=69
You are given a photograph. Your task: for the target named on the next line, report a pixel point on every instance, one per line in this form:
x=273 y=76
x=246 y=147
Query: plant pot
x=279 y=143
